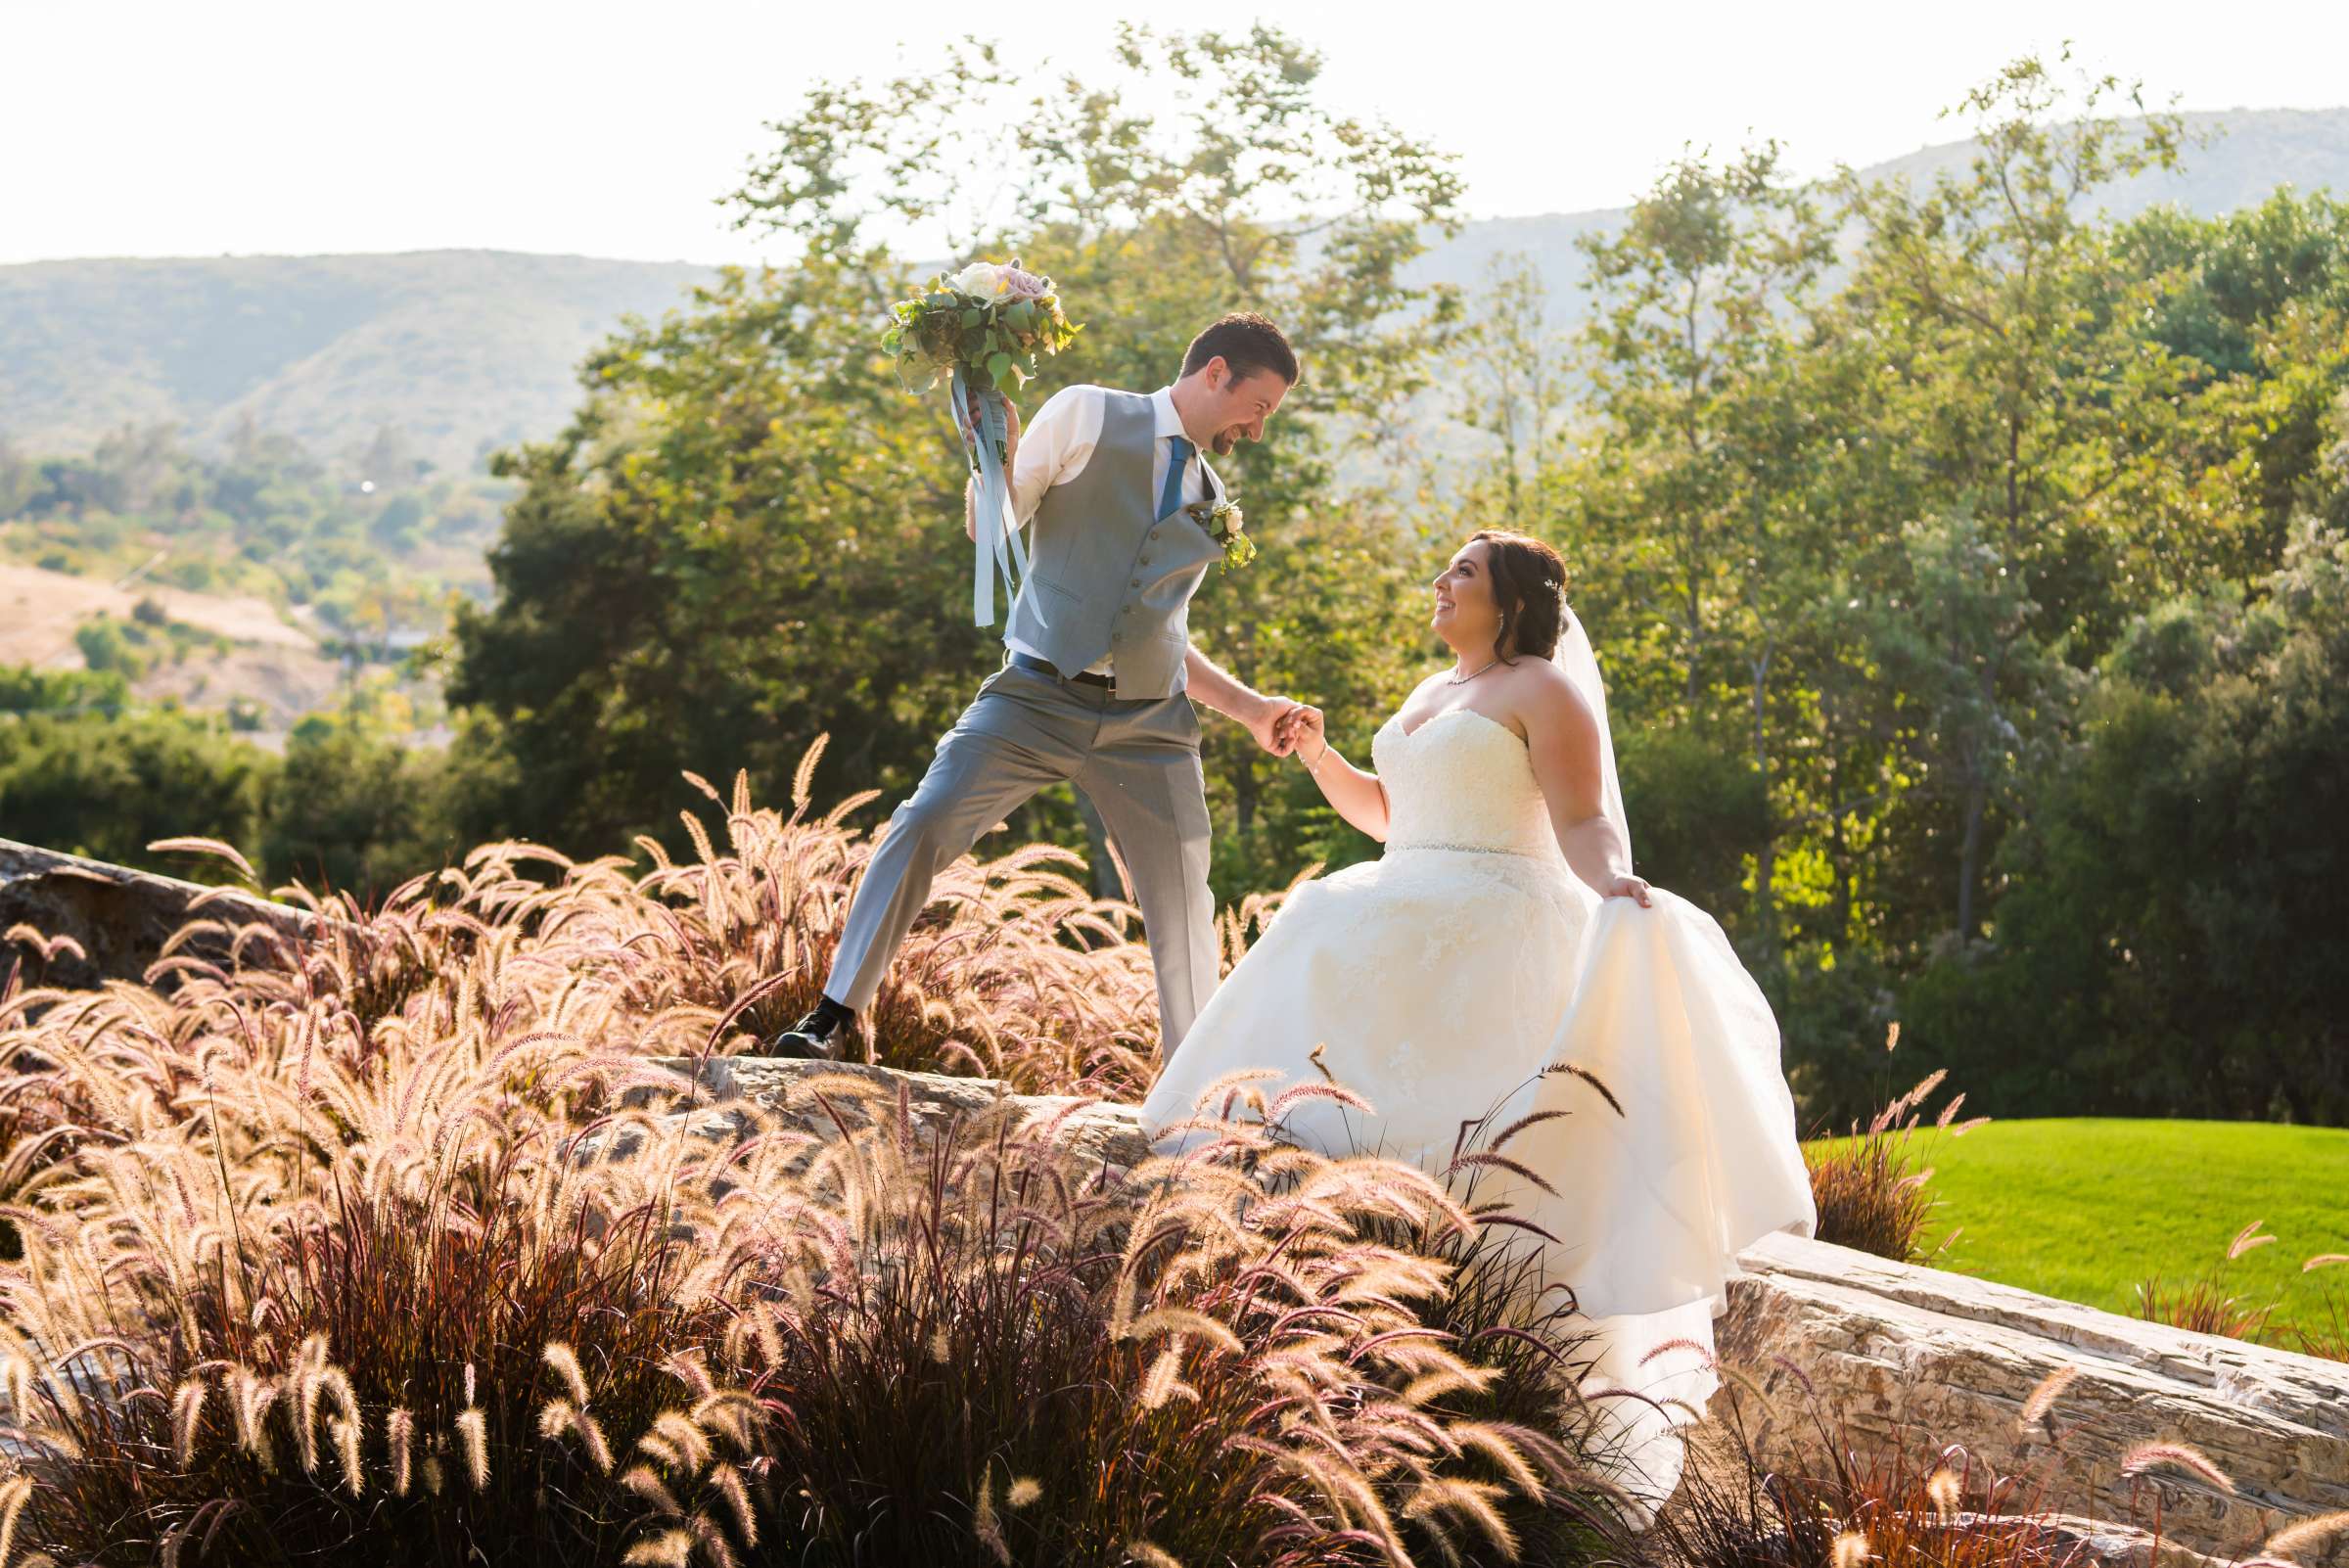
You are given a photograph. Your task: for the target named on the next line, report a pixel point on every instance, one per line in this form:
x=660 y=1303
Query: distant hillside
x=2245 y=156
x=469 y=349
x=462 y=349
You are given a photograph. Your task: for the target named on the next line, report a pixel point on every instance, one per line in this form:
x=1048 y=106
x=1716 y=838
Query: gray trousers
x=1137 y=760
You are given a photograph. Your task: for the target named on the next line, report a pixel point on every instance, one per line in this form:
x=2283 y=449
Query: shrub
x=2201 y=1303
x=384 y=1242
x=1218 y=1356
x=1015 y=971
x=1925 y=1504
x=295 y=1353
x=1870 y=1187
x=2325 y=1334
x=1917 y=1506
x=1532 y=1344
x=418 y=1314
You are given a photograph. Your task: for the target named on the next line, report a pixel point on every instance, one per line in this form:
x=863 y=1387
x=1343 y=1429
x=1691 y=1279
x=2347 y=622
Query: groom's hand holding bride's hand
x=1272 y=725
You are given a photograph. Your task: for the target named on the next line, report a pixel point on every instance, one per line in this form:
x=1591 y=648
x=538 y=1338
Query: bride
x=1499 y=940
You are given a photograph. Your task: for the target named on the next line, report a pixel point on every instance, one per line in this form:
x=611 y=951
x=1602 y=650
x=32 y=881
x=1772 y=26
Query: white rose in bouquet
x=982 y=278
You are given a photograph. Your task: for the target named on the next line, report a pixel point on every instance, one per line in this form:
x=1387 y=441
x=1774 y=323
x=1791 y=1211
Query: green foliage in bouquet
x=989 y=320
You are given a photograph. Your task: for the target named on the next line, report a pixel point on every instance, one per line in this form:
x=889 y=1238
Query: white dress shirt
x=1059 y=441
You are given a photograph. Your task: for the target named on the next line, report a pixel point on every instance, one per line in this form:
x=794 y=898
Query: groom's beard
x=1223 y=442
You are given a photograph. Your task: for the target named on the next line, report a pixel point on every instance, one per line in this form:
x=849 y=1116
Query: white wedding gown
x=1441 y=978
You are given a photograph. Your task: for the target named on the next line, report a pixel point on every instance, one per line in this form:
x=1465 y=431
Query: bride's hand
x=1628 y=887
x=1307 y=732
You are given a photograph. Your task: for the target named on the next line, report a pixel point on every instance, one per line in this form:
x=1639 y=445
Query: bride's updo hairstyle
x=1529 y=589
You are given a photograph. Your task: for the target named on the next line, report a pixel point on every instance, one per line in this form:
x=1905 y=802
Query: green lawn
x=2084 y=1208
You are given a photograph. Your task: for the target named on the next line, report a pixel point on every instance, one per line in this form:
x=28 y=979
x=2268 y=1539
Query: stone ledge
x=1927 y=1357
x=121 y=918
x=1112 y=1133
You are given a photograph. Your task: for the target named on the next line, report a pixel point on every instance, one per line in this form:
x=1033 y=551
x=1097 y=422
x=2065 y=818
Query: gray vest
x=1105 y=574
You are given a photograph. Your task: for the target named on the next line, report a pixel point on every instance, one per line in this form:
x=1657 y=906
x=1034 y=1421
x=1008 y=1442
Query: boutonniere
x=1228 y=526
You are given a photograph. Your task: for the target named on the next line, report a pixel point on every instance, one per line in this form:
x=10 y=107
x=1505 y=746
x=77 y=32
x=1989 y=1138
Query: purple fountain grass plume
x=2040 y=1403
x=2246 y=1239
x=1471 y=1501
x=403 y=1141
x=983 y=1524
x=644 y=1481
x=737 y=1496
x=673 y=1548
x=472 y=1428
x=1577 y=1070
x=2315 y=1531
x=16 y=1492
x=2149 y=1456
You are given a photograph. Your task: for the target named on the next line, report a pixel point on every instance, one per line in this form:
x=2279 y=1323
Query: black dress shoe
x=823 y=1034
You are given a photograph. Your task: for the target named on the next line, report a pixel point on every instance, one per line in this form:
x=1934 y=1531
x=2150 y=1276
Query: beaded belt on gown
x=1470 y=848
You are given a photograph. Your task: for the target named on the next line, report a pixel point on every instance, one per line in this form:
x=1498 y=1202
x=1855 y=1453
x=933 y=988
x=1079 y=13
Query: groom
x=1099 y=675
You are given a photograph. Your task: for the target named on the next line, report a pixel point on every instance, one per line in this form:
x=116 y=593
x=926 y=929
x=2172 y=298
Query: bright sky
x=134 y=127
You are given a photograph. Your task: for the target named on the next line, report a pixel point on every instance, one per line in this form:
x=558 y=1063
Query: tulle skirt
x=1460 y=992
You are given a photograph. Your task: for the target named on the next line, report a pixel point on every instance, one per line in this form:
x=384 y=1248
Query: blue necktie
x=1179 y=461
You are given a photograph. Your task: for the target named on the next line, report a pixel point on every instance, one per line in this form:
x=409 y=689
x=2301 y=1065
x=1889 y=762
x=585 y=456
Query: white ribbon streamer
x=979 y=414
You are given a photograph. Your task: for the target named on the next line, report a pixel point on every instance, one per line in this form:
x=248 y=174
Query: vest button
x=1136 y=583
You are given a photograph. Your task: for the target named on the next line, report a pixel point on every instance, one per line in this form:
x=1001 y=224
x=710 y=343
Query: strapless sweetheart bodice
x=1462 y=781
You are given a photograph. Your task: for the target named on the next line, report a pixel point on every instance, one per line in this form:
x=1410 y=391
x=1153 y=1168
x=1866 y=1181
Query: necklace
x=1463 y=681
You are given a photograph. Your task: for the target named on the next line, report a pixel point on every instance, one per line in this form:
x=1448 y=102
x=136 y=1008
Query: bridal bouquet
x=983 y=327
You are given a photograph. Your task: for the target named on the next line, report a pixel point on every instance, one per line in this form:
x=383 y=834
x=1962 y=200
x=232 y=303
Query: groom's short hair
x=1246 y=342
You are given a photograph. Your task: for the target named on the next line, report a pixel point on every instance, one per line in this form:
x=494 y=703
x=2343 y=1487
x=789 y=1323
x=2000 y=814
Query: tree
x=1981 y=691
x=1514 y=381
x=2029 y=388
x=750 y=535
x=1698 y=444
x=108 y=785
x=2168 y=942
x=2258 y=313
x=1858 y=535
x=352 y=809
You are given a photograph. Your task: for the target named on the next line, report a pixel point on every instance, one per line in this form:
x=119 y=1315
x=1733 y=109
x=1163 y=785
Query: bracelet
x=1317 y=761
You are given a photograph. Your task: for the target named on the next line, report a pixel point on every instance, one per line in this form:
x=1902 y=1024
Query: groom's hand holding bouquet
x=1011 y=457
x=982 y=327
